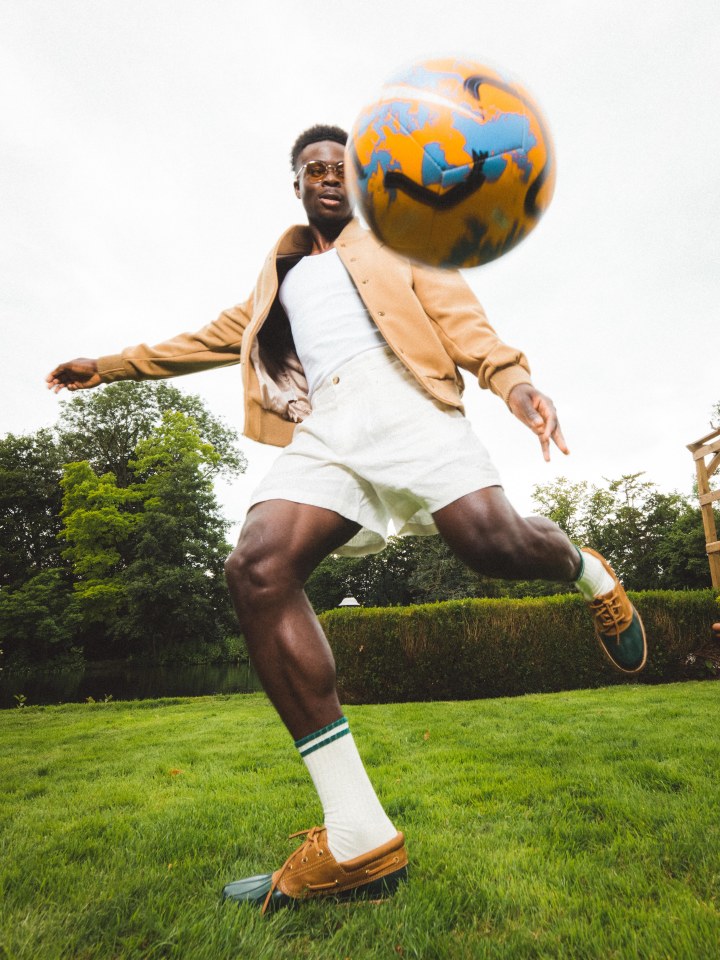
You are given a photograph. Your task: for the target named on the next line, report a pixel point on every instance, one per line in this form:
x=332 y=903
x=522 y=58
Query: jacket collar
x=297 y=240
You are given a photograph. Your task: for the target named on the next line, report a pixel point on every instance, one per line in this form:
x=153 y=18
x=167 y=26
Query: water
x=129 y=681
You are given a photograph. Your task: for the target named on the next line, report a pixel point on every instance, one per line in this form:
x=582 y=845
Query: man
x=350 y=358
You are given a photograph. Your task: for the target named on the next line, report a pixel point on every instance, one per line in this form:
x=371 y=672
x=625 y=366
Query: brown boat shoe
x=618 y=626
x=312 y=872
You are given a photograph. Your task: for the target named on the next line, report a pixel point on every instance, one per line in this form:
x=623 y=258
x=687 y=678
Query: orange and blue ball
x=452 y=165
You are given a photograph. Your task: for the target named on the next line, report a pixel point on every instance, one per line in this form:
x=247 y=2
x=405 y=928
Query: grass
x=575 y=825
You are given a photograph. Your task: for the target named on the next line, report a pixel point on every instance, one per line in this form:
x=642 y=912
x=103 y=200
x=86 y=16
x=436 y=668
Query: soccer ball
x=452 y=165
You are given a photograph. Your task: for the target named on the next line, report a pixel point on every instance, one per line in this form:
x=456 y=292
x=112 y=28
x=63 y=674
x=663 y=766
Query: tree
x=147 y=558
x=652 y=539
x=139 y=550
x=105 y=426
x=97 y=526
x=33 y=618
x=175 y=582
x=30 y=499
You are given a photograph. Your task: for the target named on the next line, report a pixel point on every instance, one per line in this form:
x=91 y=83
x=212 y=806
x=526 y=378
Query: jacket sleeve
x=216 y=345
x=465 y=332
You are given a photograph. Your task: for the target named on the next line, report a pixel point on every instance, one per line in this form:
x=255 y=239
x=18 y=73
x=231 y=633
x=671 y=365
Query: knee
x=257 y=578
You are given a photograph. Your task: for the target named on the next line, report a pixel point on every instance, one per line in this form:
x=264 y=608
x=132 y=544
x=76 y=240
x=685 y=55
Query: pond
x=128 y=681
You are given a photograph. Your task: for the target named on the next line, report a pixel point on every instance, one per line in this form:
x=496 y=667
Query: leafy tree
x=80 y=563
x=175 y=581
x=105 y=426
x=30 y=499
x=147 y=558
x=33 y=618
x=331 y=581
x=651 y=538
x=97 y=526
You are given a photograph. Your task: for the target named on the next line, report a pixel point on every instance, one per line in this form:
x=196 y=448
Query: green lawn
x=575 y=825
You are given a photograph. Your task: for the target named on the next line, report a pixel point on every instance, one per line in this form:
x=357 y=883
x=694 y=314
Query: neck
x=324 y=235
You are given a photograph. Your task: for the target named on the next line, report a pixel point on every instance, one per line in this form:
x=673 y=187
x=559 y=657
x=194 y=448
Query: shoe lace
x=610 y=613
x=312 y=842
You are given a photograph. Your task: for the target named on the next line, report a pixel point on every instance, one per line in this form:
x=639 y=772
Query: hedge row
x=467 y=649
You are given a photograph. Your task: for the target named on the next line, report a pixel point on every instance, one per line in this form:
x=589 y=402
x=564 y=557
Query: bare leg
x=484 y=530
x=280 y=545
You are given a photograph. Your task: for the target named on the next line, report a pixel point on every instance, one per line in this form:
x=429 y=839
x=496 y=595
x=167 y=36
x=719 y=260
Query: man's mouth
x=331 y=199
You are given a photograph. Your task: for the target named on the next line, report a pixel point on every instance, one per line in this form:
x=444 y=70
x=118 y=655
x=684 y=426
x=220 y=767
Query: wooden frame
x=708 y=446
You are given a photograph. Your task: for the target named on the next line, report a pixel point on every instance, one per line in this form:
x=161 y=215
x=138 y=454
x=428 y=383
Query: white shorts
x=377 y=448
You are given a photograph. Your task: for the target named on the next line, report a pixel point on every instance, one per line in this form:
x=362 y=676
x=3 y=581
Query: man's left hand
x=538 y=412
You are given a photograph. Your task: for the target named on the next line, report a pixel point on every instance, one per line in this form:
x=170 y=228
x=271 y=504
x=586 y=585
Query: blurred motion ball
x=452 y=165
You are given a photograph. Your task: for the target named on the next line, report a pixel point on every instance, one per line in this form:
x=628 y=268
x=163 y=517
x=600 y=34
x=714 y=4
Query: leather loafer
x=312 y=872
x=618 y=627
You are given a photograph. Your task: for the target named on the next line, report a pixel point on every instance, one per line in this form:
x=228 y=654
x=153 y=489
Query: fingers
x=547 y=426
x=62 y=378
x=560 y=442
x=538 y=412
x=80 y=374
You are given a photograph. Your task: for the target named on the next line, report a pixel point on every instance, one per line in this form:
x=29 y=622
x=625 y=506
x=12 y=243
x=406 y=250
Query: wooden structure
x=708 y=446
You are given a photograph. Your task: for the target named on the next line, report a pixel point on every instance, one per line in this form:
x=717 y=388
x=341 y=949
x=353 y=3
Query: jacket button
x=364 y=281
x=336 y=380
x=381 y=313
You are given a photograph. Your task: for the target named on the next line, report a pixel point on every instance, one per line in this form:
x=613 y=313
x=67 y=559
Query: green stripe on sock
x=318 y=733
x=336 y=736
x=582 y=563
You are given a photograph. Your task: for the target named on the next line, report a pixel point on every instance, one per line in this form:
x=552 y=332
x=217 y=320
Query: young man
x=350 y=358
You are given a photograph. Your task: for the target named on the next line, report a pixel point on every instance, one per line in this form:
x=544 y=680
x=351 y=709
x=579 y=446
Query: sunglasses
x=318 y=169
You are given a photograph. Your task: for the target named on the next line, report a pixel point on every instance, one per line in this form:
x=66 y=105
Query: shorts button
x=336 y=379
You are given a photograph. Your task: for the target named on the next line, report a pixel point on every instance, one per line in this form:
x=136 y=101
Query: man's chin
x=331 y=218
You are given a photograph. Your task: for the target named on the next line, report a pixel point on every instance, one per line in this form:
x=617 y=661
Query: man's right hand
x=79 y=374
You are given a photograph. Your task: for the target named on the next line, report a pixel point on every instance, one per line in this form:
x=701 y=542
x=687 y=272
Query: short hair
x=315 y=134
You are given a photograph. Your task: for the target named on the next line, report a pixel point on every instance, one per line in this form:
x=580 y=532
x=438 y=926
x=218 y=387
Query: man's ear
x=296 y=185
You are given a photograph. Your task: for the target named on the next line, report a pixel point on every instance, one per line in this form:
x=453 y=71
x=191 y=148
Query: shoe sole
x=376 y=891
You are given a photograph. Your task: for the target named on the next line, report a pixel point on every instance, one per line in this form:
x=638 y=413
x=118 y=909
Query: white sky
x=144 y=175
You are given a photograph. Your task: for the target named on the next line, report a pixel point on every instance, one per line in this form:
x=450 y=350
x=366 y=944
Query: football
x=452 y=164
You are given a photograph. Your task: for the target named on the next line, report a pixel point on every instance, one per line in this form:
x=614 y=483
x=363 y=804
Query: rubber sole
x=254 y=890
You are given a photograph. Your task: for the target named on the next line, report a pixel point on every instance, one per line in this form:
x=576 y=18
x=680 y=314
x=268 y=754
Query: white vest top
x=329 y=322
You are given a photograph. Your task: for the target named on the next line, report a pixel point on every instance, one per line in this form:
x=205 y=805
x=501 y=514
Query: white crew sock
x=594 y=580
x=354 y=817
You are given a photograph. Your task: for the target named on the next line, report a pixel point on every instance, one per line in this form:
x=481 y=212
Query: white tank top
x=330 y=324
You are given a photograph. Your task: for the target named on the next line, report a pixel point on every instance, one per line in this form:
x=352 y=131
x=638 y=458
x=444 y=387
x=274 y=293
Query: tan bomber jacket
x=430 y=319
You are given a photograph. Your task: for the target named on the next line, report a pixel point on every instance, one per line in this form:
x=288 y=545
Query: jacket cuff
x=503 y=381
x=113 y=367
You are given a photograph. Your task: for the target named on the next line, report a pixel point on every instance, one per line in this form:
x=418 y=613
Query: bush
x=466 y=649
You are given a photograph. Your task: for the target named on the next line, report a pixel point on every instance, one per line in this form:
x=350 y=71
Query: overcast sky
x=144 y=174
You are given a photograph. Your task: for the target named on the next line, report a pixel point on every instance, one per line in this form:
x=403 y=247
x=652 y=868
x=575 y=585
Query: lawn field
x=578 y=825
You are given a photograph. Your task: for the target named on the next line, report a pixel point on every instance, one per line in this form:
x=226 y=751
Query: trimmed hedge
x=468 y=649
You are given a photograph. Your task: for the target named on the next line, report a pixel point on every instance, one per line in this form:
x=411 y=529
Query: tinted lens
x=315 y=170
